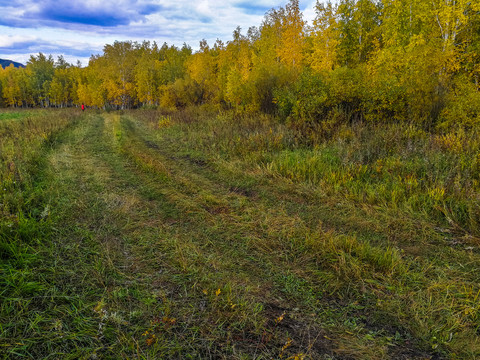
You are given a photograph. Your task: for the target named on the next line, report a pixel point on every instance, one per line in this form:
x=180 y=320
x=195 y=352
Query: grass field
x=146 y=235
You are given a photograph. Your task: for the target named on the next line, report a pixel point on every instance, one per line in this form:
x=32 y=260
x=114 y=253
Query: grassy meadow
x=193 y=235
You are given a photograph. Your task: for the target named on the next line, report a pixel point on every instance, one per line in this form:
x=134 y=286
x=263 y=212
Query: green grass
x=15 y=115
x=193 y=235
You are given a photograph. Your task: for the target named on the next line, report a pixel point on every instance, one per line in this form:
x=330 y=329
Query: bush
x=462 y=106
x=317 y=104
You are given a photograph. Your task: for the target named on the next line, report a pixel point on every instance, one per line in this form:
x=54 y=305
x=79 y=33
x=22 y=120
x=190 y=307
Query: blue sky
x=77 y=29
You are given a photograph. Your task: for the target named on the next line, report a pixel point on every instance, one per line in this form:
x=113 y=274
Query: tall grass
x=395 y=166
x=25 y=226
x=408 y=201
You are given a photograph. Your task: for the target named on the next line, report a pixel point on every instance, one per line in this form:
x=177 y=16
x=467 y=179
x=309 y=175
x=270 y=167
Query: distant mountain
x=5 y=63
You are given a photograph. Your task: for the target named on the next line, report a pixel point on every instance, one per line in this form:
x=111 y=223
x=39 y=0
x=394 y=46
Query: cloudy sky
x=77 y=29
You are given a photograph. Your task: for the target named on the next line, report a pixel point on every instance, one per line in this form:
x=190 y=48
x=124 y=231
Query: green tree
x=358 y=28
x=62 y=87
x=42 y=71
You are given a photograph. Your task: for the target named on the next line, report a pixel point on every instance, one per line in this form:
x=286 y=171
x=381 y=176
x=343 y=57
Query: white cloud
x=171 y=21
x=12 y=40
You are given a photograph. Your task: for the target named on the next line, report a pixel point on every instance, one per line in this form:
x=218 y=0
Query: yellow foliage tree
x=292 y=37
x=324 y=38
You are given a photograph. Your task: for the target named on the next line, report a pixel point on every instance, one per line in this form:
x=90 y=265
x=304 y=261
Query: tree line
x=400 y=60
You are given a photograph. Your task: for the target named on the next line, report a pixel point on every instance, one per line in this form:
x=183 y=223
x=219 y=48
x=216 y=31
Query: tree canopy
x=379 y=60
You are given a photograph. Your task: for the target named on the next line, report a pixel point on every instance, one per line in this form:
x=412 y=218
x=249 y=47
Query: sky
x=76 y=30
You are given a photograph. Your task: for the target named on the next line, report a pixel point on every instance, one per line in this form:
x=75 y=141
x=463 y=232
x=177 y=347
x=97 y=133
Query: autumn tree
x=11 y=86
x=379 y=60
x=42 y=71
x=292 y=37
x=272 y=67
x=201 y=71
x=17 y=87
x=91 y=89
x=117 y=71
x=324 y=38
x=146 y=74
x=234 y=69
x=62 y=91
x=469 y=38
x=2 y=103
